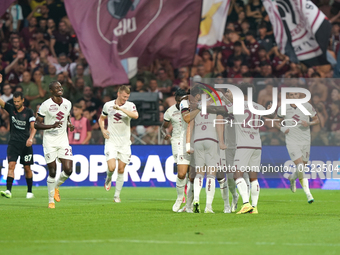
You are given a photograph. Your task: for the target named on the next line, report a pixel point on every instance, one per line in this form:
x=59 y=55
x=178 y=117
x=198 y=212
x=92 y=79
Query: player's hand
x=223 y=146
x=167 y=137
x=57 y=124
x=304 y=123
x=106 y=134
x=116 y=107
x=20 y=54
x=29 y=142
x=71 y=127
x=269 y=106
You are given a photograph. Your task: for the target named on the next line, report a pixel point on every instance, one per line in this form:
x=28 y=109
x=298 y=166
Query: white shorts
x=174 y=148
x=299 y=151
x=52 y=153
x=122 y=153
x=207 y=153
x=183 y=157
x=248 y=160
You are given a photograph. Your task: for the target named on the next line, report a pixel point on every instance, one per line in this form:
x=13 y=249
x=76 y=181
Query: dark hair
x=78 y=105
x=238 y=43
x=141 y=80
x=315 y=74
x=52 y=83
x=18 y=94
x=18 y=87
x=195 y=90
x=180 y=93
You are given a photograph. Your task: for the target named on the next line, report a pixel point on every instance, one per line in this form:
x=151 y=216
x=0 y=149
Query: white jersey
x=118 y=123
x=229 y=132
x=204 y=127
x=174 y=116
x=298 y=134
x=183 y=106
x=52 y=112
x=247 y=127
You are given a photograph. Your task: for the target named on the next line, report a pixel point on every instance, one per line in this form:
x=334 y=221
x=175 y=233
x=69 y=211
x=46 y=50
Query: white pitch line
x=166 y=242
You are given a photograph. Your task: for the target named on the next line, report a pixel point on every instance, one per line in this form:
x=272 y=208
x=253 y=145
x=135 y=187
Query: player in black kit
x=20 y=144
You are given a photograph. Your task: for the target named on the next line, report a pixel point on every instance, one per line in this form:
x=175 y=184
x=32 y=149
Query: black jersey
x=20 y=123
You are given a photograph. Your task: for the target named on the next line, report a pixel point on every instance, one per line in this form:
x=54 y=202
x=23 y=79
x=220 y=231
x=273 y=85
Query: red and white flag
x=113 y=30
x=299 y=25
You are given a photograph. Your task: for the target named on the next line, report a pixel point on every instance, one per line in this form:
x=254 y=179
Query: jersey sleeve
x=278 y=113
x=9 y=108
x=105 y=110
x=31 y=116
x=184 y=106
x=133 y=107
x=311 y=110
x=42 y=110
x=167 y=116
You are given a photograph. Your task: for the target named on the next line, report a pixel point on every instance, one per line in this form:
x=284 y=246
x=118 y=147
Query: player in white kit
x=183 y=159
x=298 y=140
x=206 y=146
x=119 y=112
x=54 y=118
x=248 y=151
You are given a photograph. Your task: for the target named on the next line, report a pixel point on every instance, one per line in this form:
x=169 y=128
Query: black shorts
x=14 y=150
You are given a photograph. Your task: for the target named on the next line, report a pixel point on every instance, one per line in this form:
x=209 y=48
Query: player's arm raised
x=101 y=122
x=131 y=114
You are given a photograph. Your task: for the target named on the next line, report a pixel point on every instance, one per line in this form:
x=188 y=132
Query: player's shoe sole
x=246 y=208
x=234 y=203
x=254 y=211
x=196 y=208
x=107 y=184
x=56 y=195
x=6 y=194
x=51 y=205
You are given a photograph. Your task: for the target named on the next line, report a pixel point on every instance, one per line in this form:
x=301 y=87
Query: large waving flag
x=301 y=30
x=213 y=20
x=113 y=30
x=4 y=5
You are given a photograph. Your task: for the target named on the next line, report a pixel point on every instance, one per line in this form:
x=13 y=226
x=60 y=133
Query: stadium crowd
x=38 y=45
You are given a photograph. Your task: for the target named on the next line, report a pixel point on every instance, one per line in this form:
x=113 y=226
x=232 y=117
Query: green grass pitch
x=86 y=221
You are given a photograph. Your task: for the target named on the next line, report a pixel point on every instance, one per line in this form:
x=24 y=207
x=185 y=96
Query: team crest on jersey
x=65 y=107
x=107 y=153
x=53 y=108
x=48 y=156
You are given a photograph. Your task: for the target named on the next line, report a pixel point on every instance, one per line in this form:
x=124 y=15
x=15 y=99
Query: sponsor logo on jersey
x=60 y=115
x=53 y=108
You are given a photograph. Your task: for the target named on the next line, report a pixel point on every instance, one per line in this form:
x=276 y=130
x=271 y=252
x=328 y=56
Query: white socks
x=190 y=194
x=109 y=174
x=119 y=184
x=50 y=188
x=305 y=185
x=180 y=185
x=246 y=178
x=242 y=189
x=210 y=190
x=255 y=192
x=224 y=191
x=62 y=178
x=198 y=183
x=231 y=184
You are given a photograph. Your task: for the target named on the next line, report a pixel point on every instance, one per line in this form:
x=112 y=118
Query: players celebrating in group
x=208 y=139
